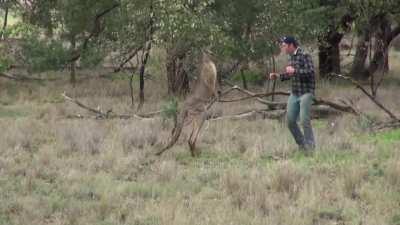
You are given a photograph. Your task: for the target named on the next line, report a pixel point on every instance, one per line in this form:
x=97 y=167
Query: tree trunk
x=141 y=75
x=358 y=70
x=379 y=61
x=328 y=44
x=244 y=81
x=145 y=59
x=2 y=35
x=329 y=53
x=384 y=35
x=178 y=80
x=73 y=63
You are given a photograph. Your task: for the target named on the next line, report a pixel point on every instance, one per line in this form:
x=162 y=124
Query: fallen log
x=387 y=126
x=109 y=114
x=374 y=100
x=277 y=113
x=24 y=78
x=253 y=114
x=282 y=105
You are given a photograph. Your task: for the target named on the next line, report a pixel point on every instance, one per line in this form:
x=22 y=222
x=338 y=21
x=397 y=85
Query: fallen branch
x=25 y=78
x=109 y=114
x=216 y=99
x=339 y=107
x=282 y=105
x=322 y=111
x=388 y=125
x=275 y=114
x=359 y=86
x=262 y=101
x=266 y=113
x=255 y=95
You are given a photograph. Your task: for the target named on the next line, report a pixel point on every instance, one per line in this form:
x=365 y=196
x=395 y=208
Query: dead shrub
x=138 y=136
x=392 y=173
x=353 y=177
x=287 y=179
x=24 y=135
x=75 y=136
x=236 y=189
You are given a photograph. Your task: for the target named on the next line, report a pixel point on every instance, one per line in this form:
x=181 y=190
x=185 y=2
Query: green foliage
x=244 y=30
x=365 y=11
x=366 y=122
x=5 y=61
x=92 y=56
x=170 y=109
x=389 y=137
x=151 y=220
x=6 y=113
x=376 y=170
x=42 y=55
x=54 y=32
x=250 y=76
x=395 y=220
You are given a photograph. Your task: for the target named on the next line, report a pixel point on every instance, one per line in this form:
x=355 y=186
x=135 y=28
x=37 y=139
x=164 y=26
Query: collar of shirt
x=296 y=51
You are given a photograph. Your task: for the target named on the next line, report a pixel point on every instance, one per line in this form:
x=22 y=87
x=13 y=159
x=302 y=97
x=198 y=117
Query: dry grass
x=55 y=170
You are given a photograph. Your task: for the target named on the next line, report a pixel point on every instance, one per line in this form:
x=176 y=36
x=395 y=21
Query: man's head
x=288 y=44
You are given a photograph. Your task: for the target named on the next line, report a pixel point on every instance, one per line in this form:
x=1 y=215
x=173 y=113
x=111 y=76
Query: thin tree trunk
x=244 y=81
x=383 y=37
x=178 y=80
x=131 y=88
x=3 y=31
x=358 y=70
x=381 y=49
x=73 y=63
x=273 y=82
x=145 y=59
x=141 y=76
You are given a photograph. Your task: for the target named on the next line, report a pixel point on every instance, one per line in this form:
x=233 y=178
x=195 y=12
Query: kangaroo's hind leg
x=196 y=127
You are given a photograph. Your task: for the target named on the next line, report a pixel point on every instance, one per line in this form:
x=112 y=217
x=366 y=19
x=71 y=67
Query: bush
x=251 y=77
x=170 y=109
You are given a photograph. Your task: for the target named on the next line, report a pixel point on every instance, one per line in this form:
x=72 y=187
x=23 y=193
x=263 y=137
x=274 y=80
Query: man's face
x=287 y=48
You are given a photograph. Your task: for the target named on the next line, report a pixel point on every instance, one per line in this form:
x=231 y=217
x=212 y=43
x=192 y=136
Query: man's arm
x=285 y=76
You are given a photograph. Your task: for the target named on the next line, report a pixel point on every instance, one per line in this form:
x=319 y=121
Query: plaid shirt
x=303 y=79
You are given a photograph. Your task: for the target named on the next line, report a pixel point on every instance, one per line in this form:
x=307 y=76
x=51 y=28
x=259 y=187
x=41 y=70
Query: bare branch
x=109 y=114
x=318 y=101
x=256 y=95
x=389 y=125
x=266 y=113
x=359 y=86
x=343 y=108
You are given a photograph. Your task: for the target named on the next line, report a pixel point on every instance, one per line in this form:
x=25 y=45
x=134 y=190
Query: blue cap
x=289 y=40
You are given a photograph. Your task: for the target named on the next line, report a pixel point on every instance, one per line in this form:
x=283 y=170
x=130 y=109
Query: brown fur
x=194 y=108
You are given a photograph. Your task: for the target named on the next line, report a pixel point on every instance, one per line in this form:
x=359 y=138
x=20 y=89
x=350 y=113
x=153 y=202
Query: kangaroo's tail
x=176 y=132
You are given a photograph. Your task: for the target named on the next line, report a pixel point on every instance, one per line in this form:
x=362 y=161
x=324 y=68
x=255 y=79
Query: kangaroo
x=194 y=110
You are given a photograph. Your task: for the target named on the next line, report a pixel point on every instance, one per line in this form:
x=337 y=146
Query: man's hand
x=273 y=76
x=290 y=70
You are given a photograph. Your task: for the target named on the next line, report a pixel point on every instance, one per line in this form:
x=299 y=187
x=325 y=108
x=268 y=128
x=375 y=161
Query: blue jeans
x=301 y=106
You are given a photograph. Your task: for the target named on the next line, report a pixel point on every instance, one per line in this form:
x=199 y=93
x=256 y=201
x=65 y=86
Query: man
x=301 y=71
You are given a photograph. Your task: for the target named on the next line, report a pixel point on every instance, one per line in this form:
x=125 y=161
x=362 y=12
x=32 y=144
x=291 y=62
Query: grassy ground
x=55 y=170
